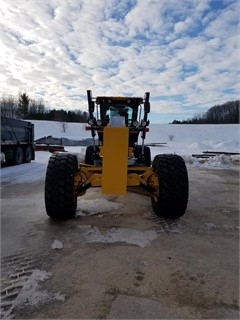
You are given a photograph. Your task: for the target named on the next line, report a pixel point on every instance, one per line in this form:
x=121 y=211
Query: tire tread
x=173 y=186
x=60 y=201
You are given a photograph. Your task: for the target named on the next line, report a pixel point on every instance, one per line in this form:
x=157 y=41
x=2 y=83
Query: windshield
x=130 y=113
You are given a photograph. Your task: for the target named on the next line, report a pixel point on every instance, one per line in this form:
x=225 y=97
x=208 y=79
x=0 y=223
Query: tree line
x=219 y=114
x=26 y=108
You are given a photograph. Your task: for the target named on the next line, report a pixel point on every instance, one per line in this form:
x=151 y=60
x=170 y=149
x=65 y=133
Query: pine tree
x=23 y=106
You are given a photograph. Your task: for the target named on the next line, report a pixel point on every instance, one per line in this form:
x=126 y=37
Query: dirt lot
x=123 y=262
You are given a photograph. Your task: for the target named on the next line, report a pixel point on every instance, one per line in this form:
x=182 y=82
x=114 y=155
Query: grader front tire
x=172 y=200
x=60 y=199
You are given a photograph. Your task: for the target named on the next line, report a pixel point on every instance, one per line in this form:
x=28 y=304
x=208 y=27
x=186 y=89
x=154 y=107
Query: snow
x=141 y=238
x=44 y=128
x=184 y=140
x=57 y=245
x=89 y=207
x=32 y=294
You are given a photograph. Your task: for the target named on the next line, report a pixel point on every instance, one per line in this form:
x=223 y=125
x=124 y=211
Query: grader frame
x=114 y=175
x=116 y=162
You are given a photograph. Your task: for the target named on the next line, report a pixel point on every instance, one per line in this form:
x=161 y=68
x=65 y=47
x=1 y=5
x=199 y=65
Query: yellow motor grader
x=116 y=163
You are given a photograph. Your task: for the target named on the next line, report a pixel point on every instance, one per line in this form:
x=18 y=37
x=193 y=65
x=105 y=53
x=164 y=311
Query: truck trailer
x=17 y=141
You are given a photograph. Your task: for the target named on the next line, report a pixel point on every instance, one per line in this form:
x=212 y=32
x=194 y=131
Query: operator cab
x=131 y=112
x=111 y=107
x=125 y=112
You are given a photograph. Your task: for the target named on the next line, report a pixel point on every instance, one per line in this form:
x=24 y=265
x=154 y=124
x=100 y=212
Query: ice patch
x=141 y=238
x=210 y=226
x=57 y=245
x=94 y=206
x=31 y=294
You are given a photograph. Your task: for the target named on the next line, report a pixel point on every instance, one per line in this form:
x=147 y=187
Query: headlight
x=135 y=123
x=99 y=122
x=143 y=123
x=91 y=122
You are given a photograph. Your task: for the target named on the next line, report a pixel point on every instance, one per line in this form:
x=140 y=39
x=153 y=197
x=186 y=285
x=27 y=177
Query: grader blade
x=115 y=160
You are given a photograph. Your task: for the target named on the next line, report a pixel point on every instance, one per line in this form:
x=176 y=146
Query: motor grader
x=116 y=162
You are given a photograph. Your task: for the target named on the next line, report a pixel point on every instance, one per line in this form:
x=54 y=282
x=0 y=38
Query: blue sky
x=186 y=53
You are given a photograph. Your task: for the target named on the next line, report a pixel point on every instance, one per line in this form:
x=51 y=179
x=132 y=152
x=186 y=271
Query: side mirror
x=147 y=106
x=146 y=102
x=91 y=105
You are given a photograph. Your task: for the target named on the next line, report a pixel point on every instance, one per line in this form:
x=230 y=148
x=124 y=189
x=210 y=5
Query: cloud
x=56 y=50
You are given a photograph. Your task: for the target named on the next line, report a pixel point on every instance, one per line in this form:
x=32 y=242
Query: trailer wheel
x=60 y=199
x=28 y=155
x=147 y=154
x=18 y=156
x=88 y=155
x=172 y=199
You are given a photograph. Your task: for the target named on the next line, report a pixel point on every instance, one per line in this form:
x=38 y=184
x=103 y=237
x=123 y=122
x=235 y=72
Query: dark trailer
x=17 y=141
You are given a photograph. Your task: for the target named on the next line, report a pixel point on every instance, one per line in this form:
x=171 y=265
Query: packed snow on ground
x=184 y=140
x=141 y=238
x=32 y=294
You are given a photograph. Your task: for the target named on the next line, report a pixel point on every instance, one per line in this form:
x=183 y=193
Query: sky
x=185 y=53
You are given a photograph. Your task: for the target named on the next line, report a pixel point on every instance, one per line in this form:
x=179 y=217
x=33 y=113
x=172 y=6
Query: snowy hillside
x=182 y=139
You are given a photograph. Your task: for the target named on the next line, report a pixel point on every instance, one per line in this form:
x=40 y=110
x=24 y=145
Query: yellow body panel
x=115 y=160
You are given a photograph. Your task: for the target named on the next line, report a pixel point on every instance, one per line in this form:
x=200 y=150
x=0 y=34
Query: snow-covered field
x=184 y=140
x=181 y=139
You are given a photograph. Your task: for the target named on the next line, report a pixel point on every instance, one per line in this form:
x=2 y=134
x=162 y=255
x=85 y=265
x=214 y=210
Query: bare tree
x=61 y=117
x=32 y=108
x=8 y=106
x=63 y=125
